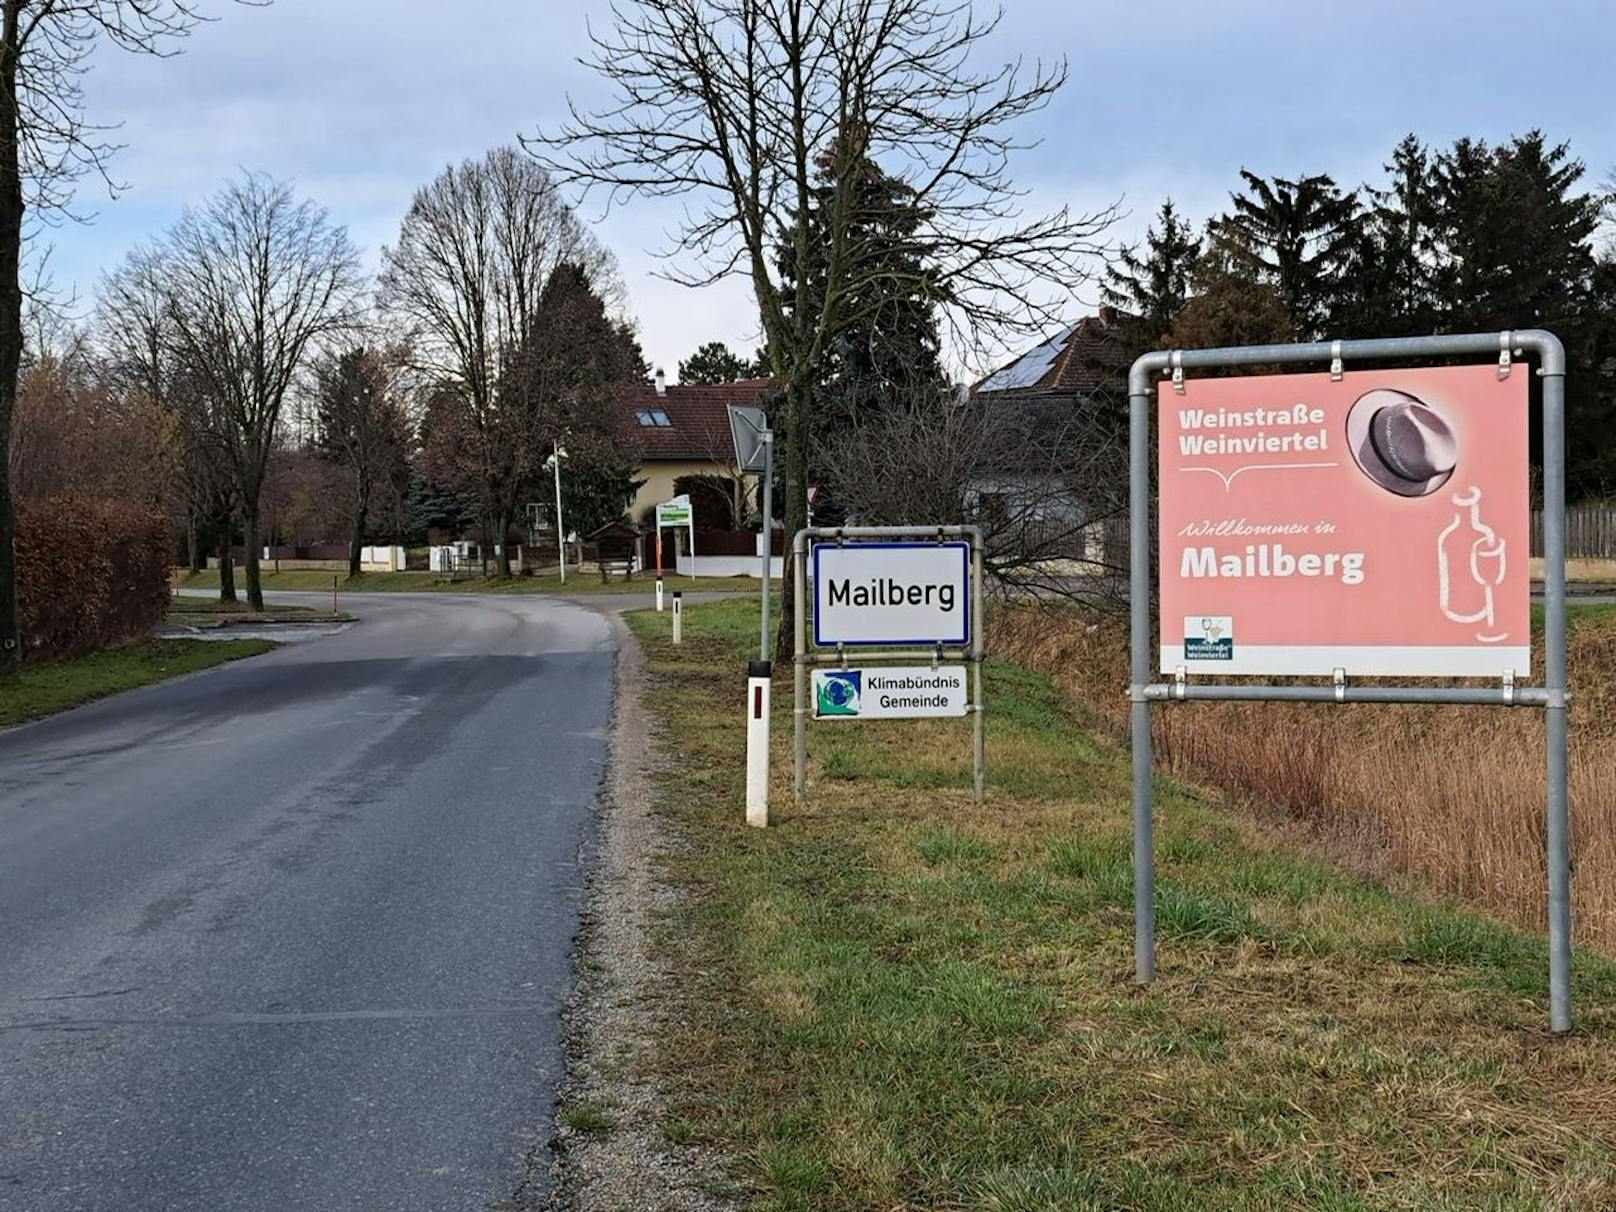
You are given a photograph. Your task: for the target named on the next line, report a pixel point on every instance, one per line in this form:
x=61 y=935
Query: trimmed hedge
x=90 y=573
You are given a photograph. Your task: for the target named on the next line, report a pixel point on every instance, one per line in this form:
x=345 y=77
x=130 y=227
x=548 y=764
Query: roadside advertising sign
x=676 y=512
x=868 y=594
x=1374 y=522
x=890 y=692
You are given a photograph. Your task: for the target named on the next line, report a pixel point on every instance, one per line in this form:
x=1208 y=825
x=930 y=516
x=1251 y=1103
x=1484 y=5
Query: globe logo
x=839 y=693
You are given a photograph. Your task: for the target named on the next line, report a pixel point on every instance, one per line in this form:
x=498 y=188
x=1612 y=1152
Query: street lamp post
x=554 y=462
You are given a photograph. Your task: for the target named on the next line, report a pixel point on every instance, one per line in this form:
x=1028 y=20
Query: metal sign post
x=554 y=461
x=880 y=610
x=1404 y=431
x=754 y=452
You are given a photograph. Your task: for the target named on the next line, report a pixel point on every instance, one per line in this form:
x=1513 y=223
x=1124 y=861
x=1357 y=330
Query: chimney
x=661 y=383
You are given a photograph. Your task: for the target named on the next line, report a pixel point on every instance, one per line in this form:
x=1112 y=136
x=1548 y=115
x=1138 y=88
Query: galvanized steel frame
x=804 y=657
x=1553 y=696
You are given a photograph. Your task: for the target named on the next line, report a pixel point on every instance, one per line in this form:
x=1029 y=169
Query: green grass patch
x=52 y=686
x=314 y=581
x=897 y=998
x=587 y=1117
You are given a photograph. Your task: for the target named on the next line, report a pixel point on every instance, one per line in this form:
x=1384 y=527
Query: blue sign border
x=963 y=641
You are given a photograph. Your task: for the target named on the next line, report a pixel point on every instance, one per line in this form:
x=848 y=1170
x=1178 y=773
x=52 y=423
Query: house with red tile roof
x=679 y=431
x=1078 y=361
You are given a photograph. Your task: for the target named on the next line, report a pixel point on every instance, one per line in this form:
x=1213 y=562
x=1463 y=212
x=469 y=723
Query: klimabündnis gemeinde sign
x=868 y=594
x=891 y=692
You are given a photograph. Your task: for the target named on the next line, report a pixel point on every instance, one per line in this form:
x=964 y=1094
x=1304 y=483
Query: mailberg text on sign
x=1375 y=523
x=892 y=593
x=893 y=692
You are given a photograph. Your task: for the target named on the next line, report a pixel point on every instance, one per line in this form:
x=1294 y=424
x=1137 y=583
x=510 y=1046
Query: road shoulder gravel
x=611 y=1151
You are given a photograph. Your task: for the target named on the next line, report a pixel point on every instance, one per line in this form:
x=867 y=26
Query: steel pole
x=561 y=531
x=1144 y=874
x=979 y=731
x=1558 y=848
x=800 y=665
x=768 y=537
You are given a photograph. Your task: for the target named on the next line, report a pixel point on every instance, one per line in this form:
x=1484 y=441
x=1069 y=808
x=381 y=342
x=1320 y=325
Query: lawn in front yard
x=308 y=580
x=48 y=687
x=896 y=998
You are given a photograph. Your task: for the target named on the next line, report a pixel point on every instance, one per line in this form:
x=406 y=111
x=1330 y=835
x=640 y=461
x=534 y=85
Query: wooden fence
x=1590 y=532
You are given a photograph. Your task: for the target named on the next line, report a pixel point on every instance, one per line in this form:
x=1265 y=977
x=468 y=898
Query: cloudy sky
x=360 y=101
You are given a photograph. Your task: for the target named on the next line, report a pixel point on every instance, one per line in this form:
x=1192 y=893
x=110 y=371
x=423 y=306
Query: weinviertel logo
x=839 y=692
x=1209 y=638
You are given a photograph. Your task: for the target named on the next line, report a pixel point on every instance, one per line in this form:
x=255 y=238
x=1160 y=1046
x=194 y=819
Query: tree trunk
x=502 y=547
x=482 y=548
x=356 y=543
x=227 y=562
x=797 y=408
x=11 y=218
x=255 y=582
x=193 y=544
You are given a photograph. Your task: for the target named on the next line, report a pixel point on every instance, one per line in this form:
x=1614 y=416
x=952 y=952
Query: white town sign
x=868 y=594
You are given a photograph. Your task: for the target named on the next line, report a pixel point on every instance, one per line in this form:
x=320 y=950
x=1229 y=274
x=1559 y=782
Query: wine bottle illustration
x=1471 y=563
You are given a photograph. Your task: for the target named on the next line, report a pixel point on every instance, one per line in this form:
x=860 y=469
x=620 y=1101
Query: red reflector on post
x=757 y=702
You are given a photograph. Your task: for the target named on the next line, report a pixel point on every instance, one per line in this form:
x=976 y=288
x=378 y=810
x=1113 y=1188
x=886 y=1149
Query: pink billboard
x=1376 y=523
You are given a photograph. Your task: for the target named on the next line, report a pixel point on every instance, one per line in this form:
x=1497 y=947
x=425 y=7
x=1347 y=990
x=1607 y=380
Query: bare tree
x=361 y=425
x=1046 y=482
x=135 y=324
x=465 y=280
x=47 y=144
x=256 y=278
x=750 y=108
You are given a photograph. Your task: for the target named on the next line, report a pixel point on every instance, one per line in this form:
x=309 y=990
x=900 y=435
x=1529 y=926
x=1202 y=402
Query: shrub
x=91 y=573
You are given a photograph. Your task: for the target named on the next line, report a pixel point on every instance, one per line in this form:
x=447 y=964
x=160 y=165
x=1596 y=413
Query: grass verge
x=211 y=614
x=53 y=686
x=899 y=999
x=306 y=580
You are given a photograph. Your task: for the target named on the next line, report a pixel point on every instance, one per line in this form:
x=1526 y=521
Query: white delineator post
x=659 y=595
x=758 y=682
x=678 y=617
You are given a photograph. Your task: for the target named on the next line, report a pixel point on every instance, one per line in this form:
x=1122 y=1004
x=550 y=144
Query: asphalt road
x=294 y=933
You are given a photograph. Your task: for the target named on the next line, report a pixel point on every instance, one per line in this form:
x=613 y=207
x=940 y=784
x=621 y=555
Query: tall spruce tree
x=1151 y=287
x=715 y=363
x=1297 y=235
x=564 y=381
x=1405 y=223
x=1517 y=234
x=889 y=352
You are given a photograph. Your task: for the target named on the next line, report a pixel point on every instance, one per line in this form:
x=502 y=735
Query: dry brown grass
x=1452 y=797
x=894 y=998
